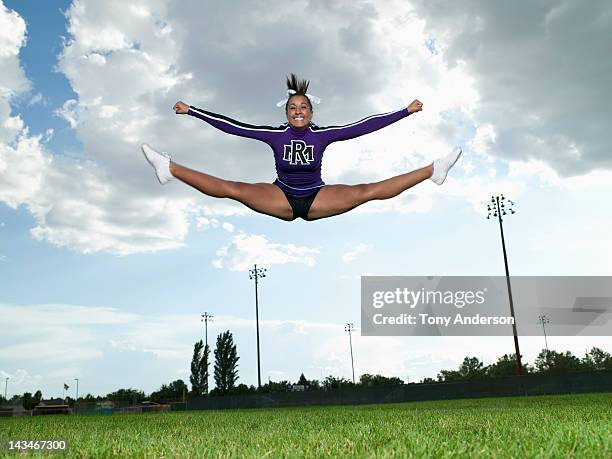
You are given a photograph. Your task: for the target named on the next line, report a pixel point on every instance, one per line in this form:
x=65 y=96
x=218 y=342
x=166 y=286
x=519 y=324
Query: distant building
x=51 y=406
x=52 y=401
x=298 y=388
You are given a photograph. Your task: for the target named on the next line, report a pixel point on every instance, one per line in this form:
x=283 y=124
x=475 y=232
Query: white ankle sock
x=160 y=162
x=441 y=166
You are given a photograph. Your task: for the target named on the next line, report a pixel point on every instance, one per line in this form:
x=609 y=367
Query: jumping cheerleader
x=298 y=147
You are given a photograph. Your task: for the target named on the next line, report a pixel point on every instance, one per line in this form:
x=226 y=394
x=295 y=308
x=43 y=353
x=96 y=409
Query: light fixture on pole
x=206 y=317
x=351 y=328
x=543 y=319
x=256 y=273
x=498 y=207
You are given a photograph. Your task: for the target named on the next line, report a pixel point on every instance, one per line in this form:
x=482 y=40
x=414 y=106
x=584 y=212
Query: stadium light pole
x=256 y=273
x=501 y=206
x=350 y=328
x=206 y=317
x=76 y=400
x=544 y=320
x=6 y=388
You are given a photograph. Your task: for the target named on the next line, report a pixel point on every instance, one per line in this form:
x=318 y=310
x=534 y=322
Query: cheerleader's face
x=299 y=113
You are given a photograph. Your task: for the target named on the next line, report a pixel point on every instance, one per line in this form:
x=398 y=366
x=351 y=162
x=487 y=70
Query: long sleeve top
x=298 y=155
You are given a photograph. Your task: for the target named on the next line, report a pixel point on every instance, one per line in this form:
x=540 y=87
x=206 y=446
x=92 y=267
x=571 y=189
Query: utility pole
x=76 y=401
x=206 y=317
x=5 y=388
x=544 y=320
x=497 y=208
x=350 y=328
x=256 y=273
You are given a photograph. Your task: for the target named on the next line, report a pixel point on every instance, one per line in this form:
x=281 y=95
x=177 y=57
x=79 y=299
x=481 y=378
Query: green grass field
x=550 y=426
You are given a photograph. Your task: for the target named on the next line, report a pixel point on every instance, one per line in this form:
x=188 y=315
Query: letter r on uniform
x=298 y=151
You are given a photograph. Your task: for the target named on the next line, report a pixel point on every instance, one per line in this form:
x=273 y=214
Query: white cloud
x=20 y=378
x=23 y=168
x=539 y=82
x=80 y=220
x=36 y=99
x=467 y=167
x=54 y=333
x=67 y=112
x=12 y=38
x=76 y=204
x=484 y=139
x=205 y=223
x=352 y=254
x=246 y=250
x=79 y=341
x=23 y=165
x=12 y=78
x=212 y=223
x=65 y=315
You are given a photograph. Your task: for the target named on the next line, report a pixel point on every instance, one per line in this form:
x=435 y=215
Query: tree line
x=547 y=362
x=225 y=374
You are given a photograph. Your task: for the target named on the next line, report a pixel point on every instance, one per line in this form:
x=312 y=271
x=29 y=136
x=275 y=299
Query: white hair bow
x=290 y=92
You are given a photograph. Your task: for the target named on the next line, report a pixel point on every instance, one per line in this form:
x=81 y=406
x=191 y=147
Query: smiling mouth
x=298 y=118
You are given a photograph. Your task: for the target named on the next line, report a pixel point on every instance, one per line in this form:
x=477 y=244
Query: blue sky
x=105 y=273
x=46 y=25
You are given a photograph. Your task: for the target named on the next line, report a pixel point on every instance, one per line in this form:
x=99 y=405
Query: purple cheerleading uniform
x=298 y=154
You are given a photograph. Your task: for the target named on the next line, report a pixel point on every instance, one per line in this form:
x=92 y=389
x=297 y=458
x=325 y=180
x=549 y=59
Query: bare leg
x=264 y=198
x=337 y=199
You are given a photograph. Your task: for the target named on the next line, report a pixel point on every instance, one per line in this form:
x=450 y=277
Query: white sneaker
x=441 y=166
x=160 y=161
